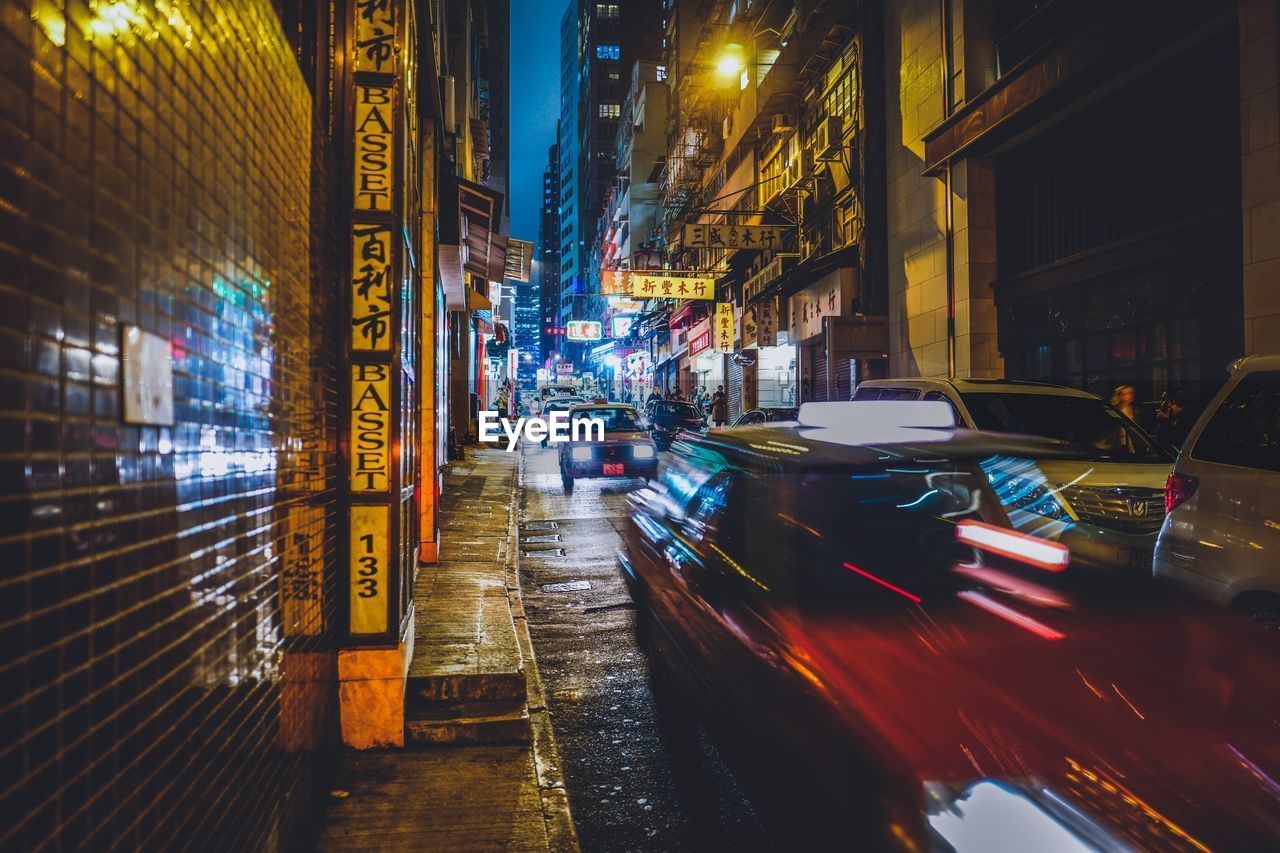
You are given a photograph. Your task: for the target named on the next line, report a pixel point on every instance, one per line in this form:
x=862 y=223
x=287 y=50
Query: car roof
x=592 y=406
x=1251 y=363
x=791 y=445
x=978 y=386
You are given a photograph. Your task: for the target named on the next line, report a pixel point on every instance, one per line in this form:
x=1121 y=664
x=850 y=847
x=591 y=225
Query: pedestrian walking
x=1172 y=421
x=720 y=407
x=1124 y=398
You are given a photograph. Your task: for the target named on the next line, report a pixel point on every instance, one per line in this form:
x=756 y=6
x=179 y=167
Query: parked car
x=1107 y=504
x=559 y=404
x=886 y=663
x=625 y=451
x=767 y=415
x=1221 y=537
x=668 y=417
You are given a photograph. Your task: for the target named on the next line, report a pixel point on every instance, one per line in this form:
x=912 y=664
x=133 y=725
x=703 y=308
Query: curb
x=561 y=834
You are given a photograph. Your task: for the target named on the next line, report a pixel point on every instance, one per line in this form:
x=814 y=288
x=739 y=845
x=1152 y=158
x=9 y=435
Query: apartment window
x=610 y=111
x=608 y=51
x=607 y=11
x=614 y=75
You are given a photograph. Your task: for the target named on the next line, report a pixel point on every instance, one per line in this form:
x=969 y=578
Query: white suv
x=1221 y=537
x=1106 y=504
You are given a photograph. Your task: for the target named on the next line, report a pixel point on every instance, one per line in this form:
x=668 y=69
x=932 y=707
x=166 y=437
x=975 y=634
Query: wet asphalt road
x=631 y=786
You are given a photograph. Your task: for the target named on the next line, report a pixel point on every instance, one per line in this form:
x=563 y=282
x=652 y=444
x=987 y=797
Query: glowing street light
x=731 y=64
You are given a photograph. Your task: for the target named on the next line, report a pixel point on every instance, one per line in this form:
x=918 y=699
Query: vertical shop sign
x=375 y=110
x=371 y=288
x=375 y=35
x=302 y=576
x=370 y=545
x=370 y=428
x=723 y=329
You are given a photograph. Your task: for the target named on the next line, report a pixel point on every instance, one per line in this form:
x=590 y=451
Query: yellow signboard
x=375 y=117
x=722 y=332
x=302 y=573
x=370 y=546
x=371 y=287
x=375 y=35
x=754 y=237
x=370 y=428
x=665 y=285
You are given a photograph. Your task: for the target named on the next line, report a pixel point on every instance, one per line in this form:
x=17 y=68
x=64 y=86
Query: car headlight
x=1030 y=496
x=580 y=454
x=642 y=451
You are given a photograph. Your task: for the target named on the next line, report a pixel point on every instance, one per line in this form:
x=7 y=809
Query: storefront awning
x=470 y=216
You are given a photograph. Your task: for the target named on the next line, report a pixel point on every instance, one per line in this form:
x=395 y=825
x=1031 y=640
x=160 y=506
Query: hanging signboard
x=723 y=333
x=370 y=428
x=584 y=330
x=700 y=336
x=615 y=282
x=766 y=314
x=564 y=368
x=371 y=297
x=370 y=544
x=374 y=119
x=667 y=285
x=751 y=237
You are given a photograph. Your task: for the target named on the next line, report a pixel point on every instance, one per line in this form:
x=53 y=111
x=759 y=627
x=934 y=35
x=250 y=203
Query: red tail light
x=1177 y=489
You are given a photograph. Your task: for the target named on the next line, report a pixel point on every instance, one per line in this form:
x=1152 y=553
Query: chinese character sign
x=751 y=237
x=370 y=428
x=664 y=285
x=766 y=322
x=375 y=116
x=722 y=329
x=371 y=287
x=617 y=282
x=584 y=330
x=302 y=572
x=375 y=35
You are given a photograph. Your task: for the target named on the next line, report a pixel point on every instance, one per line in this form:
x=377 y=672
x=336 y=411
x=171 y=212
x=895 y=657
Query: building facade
x=224 y=392
x=1023 y=241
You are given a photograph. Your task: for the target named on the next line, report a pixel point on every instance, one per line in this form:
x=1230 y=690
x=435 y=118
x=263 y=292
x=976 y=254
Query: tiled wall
x=155 y=688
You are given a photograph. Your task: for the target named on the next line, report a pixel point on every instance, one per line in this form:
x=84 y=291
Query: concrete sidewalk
x=480 y=769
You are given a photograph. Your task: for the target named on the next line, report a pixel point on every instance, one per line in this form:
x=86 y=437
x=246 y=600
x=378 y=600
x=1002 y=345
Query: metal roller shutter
x=733 y=386
x=818 y=375
x=844 y=378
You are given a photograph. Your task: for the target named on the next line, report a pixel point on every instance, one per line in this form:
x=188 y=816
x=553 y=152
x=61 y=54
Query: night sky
x=535 y=105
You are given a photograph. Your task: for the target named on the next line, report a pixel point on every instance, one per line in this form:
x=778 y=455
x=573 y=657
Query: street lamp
x=731 y=63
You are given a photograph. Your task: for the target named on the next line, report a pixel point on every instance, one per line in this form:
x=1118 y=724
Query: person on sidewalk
x=720 y=407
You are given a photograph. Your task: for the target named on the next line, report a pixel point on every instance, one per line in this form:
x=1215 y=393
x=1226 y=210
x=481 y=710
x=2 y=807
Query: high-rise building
x=567 y=139
x=547 y=255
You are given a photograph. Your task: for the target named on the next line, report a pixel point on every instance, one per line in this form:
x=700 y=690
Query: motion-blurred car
x=886 y=663
x=667 y=418
x=1221 y=536
x=767 y=415
x=625 y=451
x=1106 y=503
x=559 y=404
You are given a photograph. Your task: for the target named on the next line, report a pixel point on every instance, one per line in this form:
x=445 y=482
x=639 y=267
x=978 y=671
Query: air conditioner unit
x=784 y=123
x=828 y=138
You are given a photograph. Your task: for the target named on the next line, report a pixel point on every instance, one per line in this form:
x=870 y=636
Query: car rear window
x=675 y=409
x=1245 y=430
x=881 y=393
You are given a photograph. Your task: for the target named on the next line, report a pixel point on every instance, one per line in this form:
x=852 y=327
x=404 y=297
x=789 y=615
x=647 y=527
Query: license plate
x=614 y=469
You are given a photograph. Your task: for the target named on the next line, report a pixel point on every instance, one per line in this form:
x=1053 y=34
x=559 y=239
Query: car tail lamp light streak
x=1013 y=617
x=1032 y=550
x=884 y=583
x=1177 y=489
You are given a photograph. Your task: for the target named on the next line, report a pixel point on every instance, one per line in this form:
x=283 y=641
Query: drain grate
x=569 y=586
x=534 y=540
x=540 y=525
x=542 y=552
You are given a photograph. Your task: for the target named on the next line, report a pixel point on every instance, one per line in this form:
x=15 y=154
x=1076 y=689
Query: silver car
x=1221 y=534
x=1107 y=505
